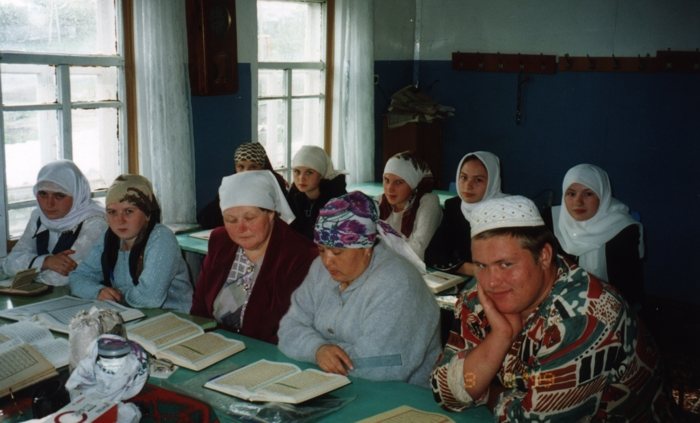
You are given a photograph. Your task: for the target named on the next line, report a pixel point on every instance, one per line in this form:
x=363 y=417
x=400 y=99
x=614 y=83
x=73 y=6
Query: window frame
x=122 y=60
x=288 y=68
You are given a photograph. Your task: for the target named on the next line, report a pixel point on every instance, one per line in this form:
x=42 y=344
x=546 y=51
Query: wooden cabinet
x=422 y=138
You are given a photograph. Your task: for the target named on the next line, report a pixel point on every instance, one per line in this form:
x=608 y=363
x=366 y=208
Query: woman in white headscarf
x=598 y=231
x=478 y=179
x=63 y=229
x=408 y=203
x=315 y=182
x=255 y=261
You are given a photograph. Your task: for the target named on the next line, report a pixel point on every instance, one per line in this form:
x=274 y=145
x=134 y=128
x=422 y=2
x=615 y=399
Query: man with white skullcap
x=539 y=339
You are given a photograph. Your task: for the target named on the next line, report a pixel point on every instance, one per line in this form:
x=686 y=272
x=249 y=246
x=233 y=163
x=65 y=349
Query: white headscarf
x=65 y=174
x=586 y=239
x=255 y=188
x=402 y=166
x=493 y=186
x=315 y=158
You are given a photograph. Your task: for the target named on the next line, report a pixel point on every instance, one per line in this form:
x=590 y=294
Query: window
x=61 y=96
x=291 y=77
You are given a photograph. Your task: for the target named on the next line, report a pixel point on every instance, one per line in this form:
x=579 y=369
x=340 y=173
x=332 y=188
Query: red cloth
x=162 y=405
x=284 y=267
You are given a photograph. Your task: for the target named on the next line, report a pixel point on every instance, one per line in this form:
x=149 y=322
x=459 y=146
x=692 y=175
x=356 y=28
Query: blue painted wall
x=642 y=128
x=220 y=124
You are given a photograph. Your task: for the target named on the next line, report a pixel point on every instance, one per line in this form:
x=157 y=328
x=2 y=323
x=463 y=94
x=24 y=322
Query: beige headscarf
x=135 y=189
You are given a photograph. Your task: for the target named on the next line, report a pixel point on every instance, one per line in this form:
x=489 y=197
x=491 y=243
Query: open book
x=438 y=281
x=405 y=413
x=23 y=284
x=202 y=234
x=182 y=342
x=274 y=381
x=57 y=313
x=28 y=354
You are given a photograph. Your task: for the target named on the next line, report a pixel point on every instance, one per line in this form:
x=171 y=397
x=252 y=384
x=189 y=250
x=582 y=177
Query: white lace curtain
x=166 y=149
x=353 y=89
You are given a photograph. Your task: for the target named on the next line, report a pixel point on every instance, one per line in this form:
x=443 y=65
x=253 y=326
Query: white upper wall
x=579 y=28
x=246 y=31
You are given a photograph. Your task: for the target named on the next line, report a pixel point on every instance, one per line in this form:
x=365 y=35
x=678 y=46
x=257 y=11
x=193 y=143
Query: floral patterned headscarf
x=348 y=221
x=352 y=221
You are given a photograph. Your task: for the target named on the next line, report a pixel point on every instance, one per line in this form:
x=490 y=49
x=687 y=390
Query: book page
x=301 y=386
x=27 y=331
x=256 y=375
x=439 y=281
x=48 y=306
x=57 y=313
x=202 y=234
x=56 y=350
x=22 y=366
x=163 y=331
x=202 y=347
x=406 y=414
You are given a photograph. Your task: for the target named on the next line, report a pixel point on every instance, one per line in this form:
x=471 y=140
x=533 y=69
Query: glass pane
x=272 y=130
x=17 y=219
x=280 y=38
x=31 y=140
x=93 y=83
x=271 y=83
x=28 y=84
x=96 y=145
x=58 y=26
x=307 y=82
x=307 y=123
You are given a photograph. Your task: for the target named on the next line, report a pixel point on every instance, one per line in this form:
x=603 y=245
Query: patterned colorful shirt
x=581 y=355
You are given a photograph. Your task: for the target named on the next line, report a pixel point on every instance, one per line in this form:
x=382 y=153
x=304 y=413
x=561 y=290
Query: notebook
x=23 y=284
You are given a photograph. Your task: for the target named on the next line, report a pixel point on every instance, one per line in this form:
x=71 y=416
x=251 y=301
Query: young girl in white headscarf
x=478 y=179
x=408 y=203
x=62 y=230
x=598 y=231
x=315 y=182
x=140 y=262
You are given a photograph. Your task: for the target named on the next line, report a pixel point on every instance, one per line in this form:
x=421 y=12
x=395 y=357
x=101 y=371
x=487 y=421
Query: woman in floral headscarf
x=363 y=308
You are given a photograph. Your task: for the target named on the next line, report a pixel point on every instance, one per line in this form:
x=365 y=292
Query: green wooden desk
x=368 y=397
x=12 y=301
x=191 y=244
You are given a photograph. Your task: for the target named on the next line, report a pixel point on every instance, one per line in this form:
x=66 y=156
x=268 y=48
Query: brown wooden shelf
x=663 y=61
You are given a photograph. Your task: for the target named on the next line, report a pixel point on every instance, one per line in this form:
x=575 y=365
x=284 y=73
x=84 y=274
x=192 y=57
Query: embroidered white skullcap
x=255 y=188
x=316 y=159
x=402 y=166
x=505 y=212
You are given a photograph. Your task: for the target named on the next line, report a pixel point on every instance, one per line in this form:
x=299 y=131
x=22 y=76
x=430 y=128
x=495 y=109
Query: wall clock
x=211 y=39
